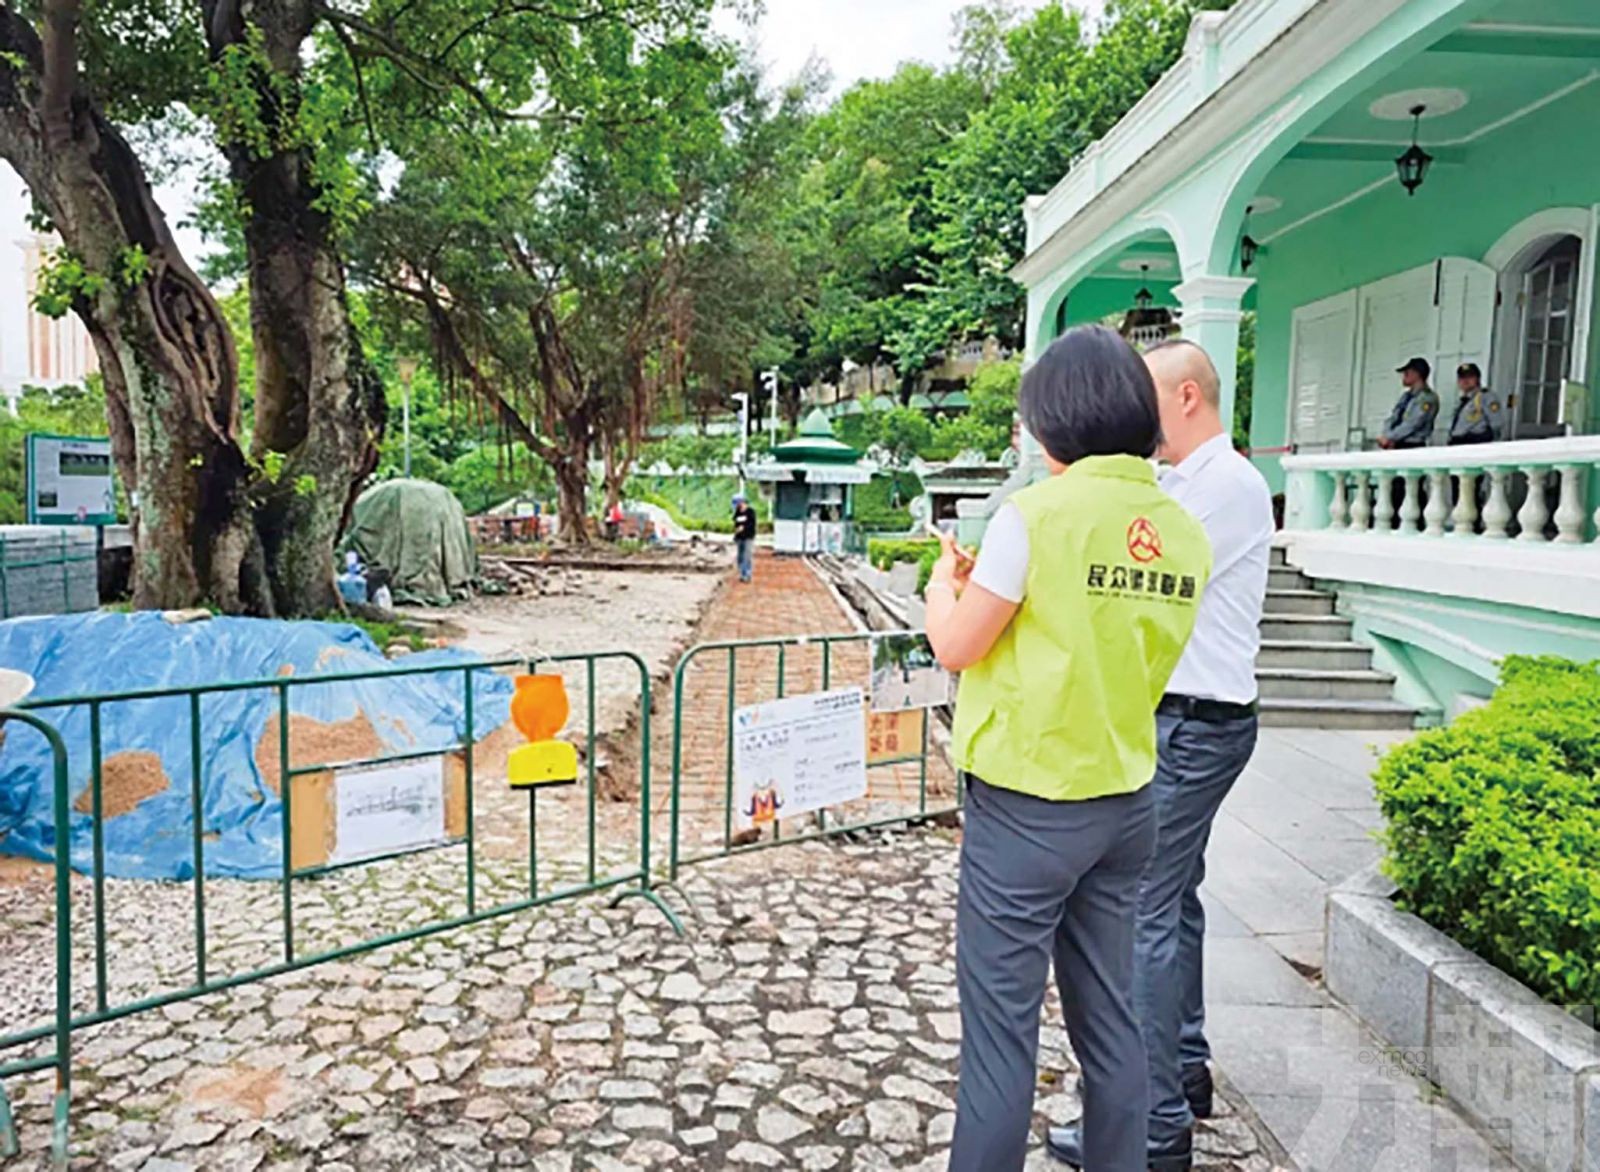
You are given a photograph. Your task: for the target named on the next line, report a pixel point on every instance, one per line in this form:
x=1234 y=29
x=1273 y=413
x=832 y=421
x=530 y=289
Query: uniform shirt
x=1230 y=498
x=1063 y=706
x=1411 y=422
x=1477 y=419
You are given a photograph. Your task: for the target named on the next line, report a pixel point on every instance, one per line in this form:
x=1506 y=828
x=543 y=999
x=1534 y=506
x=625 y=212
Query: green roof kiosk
x=811 y=478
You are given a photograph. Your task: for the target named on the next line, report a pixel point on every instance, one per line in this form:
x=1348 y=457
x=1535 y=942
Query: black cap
x=1420 y=365
x=1469 y=370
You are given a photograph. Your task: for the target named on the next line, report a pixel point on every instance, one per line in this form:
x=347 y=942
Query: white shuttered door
x=1322 y=350
x=1466 y=320
x=1397 y=325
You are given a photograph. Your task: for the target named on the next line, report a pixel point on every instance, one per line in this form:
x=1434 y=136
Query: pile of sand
x=316 y=742
x=126 y=779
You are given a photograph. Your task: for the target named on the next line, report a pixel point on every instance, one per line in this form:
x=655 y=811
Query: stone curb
x=1524 y=1071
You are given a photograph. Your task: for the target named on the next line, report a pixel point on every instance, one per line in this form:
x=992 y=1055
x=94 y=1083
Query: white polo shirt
x=1230 y=498
x=1226 y=494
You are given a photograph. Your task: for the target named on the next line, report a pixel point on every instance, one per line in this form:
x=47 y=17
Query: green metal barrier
x=61 y=1057
x=631 y=882
x=822 y=827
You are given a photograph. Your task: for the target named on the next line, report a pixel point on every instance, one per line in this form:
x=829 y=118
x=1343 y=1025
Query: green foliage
x=1062 y=89
x=488 y=475
x=699 y=503
x=691 y=453
x=64 y=279
x=884 y=506
x=885 y=553
x=903 y=433
x=385 y=634
x=133 y=266
x=1494 y=827
x=78 y=410
x=1244 y=392
x=986 y=425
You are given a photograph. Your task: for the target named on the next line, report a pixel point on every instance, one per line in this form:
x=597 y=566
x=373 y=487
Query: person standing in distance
x=744 y=537
x=1206 y=732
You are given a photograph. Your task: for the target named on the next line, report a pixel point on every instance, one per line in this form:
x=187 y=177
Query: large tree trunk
x=317 y=405
x=572 y=485
x=165 y=350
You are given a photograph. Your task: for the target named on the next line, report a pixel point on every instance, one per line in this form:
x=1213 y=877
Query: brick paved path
x=787 y=599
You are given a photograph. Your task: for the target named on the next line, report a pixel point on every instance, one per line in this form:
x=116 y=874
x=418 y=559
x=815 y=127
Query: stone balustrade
x=1535 y=491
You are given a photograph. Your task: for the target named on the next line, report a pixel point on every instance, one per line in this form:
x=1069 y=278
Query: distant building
x=57 y=350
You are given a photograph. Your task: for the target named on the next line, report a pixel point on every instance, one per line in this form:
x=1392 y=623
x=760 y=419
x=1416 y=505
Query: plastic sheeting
x=76 y=655
x=418 y=531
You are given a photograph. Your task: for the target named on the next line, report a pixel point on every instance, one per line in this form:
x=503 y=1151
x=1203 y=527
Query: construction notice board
x=342 y=816
x=799 y=754
x=69 y=481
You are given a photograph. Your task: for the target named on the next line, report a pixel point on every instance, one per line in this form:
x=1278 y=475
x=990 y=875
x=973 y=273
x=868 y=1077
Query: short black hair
x=1090 y=394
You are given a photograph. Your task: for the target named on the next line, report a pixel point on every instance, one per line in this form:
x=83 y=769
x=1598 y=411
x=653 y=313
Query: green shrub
x=874 y=509
x=698 y=503
x=924 y=553
x=1494 y=827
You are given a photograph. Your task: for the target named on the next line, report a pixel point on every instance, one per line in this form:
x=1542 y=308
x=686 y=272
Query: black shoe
x=1199 y=1090
x=1066 y=1145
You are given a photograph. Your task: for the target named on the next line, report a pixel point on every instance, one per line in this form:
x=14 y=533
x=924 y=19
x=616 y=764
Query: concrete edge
x=1390 y=968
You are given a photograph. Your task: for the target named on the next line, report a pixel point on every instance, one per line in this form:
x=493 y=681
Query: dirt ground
x=650 y=613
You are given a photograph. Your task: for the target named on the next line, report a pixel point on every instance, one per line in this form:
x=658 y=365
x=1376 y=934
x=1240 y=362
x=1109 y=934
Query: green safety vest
x=1063 y=706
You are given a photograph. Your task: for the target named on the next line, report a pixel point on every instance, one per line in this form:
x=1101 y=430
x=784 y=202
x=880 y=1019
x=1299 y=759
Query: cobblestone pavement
x=808 y=1021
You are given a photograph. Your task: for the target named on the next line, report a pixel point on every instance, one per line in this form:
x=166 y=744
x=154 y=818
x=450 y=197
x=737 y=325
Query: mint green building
x=1268 y=172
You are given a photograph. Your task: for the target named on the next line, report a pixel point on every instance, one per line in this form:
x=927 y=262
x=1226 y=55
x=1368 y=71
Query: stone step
x=1313 y=655
x=1303 y=602
x=1307 y=628
x=1279 y=556
x=1337 y=714
x=1287 y=578
x=1285 y=683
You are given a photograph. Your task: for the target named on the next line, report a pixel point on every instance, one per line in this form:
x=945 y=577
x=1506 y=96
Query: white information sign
x=799 y=754
x=69 y=481
x=385 y=809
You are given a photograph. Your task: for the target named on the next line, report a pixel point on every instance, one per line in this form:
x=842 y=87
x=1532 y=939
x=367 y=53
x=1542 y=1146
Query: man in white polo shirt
x=1206 y=729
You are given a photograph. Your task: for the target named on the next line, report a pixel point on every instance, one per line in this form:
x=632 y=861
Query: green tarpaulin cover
x=418 y=531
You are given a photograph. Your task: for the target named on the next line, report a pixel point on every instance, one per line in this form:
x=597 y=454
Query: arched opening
x=1541 y=337
x=1111 y=285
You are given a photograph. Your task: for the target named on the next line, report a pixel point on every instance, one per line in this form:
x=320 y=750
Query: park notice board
x=799 y=754
x=69 y=481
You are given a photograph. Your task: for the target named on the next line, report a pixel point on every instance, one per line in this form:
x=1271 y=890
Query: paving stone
x=776 y=1126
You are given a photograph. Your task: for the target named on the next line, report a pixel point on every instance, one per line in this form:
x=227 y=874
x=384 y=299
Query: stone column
x=1211 y=313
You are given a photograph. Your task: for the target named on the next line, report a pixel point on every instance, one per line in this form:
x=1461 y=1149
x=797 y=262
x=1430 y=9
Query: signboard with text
x=799 y=754
x=70 y=481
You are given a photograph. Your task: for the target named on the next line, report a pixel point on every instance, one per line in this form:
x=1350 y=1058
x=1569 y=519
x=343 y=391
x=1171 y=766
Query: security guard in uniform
x=1478 y=416
x=1066 y=631
x=1412 y=420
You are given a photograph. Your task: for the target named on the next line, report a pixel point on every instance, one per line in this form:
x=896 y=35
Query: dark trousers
x=1198 y=763
x=1040 y=881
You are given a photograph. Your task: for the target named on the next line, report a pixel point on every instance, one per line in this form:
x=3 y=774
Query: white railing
x=1540 y=492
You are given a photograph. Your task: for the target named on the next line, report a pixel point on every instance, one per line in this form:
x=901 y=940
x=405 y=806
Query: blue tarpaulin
x=74 y=655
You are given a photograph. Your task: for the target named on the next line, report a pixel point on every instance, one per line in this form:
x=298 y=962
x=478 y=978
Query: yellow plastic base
x=542 y=763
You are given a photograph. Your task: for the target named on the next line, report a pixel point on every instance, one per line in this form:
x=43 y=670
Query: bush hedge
x=1494 y=827
x=874 y=510
x=924 y=553
x=699 y=503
